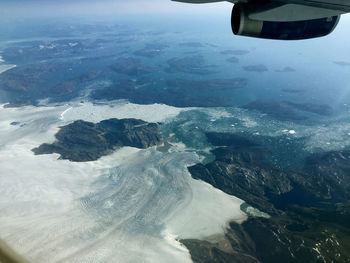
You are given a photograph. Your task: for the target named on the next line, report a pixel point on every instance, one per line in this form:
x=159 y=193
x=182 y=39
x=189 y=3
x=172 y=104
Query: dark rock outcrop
x=242 y=173
x=83 y=141
x=276 y=240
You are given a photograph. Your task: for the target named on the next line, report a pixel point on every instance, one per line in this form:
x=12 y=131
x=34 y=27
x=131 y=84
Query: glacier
x=130 y=206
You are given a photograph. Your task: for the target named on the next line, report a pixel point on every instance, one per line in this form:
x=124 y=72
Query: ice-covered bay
x=130 y=206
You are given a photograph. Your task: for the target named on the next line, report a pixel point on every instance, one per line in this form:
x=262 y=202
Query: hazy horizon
x=106 y=8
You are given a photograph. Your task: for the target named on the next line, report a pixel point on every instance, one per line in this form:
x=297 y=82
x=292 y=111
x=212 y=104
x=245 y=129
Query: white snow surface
x=130 y=206
x=120 y=109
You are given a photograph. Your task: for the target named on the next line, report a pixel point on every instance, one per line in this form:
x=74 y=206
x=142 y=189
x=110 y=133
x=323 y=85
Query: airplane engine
x=243 y=22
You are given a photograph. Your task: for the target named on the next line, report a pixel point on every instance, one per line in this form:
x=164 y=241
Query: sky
x=28 y=8
x=22 y=9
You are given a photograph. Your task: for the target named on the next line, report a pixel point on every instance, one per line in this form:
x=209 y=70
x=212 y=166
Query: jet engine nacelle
x=244 y=23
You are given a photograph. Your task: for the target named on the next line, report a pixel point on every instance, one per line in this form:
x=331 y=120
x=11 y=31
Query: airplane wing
x=284 y=19
x=341 y=5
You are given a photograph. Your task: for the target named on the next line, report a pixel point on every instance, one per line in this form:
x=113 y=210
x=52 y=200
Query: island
x=192 y=64
x=83 y=141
